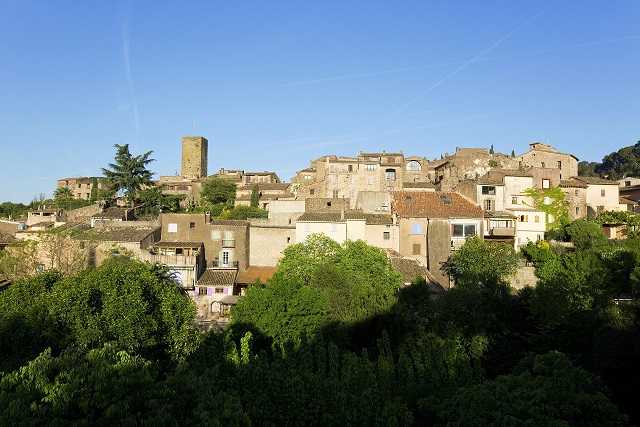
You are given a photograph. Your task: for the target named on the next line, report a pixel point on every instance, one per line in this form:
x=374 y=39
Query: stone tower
x=194 y=157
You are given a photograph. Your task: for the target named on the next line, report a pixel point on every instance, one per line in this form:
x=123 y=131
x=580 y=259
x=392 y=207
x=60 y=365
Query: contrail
x=127 y=67
x=444 y=79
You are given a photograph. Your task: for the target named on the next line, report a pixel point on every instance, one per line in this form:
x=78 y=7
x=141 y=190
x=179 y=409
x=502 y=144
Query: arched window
x=414 y=165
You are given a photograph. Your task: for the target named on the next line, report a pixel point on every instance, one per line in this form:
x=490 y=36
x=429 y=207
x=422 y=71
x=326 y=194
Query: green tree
x=552 y=201
x=255 y=195
x=240 y=212
x=587 y=168
x=152 y=201
x=129 y=173
x=585 y=234
x=491 y=149
x=481 y=262
x=216 y=191
x=621 y=163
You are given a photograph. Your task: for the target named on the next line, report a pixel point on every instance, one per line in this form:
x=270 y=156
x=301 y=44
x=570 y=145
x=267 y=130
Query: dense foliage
x=128 y=174
x=114 y=345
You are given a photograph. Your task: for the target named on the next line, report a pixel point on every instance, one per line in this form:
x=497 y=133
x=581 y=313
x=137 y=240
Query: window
x=524 y=218
x=488 y=205
x=488 y=189
x=602 y=192
x=349 y=168
x=288 y=239
x=226 y=255
x=546 y=183
x=334 y=179
x=576 y=193
x=311 y=192
x=463 y=230
x=219 y=290
x=416 y=228
x=334 y=227
x=536 y=218
x=577 y=211
x=416 y=249
x=559 y=164
x=370 y=167
x=514 y=200
x=627 y=183
x=370 y=180
x=336 y=194
x=414 y=165
x=390 y=174
x=542 y=165
x=192 y=225
x=202 y=290
x=307 y=227
x=172 y=227
x=386 y=235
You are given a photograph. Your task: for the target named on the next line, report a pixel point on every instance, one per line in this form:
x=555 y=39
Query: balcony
x=185 y=260
x=228 y=243
x=502 y=231
x=219 y=264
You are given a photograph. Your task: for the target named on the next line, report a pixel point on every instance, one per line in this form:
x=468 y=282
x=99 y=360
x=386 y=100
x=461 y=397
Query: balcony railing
x=503 y=231
x=219 y=264
x=169 y=259
x=228 y=243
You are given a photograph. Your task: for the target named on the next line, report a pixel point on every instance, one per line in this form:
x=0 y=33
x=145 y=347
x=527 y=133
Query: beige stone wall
x=597 y=202
x=577 y=198
x=267 y=244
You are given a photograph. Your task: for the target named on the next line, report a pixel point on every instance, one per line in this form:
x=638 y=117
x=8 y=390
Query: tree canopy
x=128 y=174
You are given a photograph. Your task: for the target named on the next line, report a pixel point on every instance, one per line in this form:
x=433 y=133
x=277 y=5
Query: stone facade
x=547 y=163
x=82 y=187
x=194 y=157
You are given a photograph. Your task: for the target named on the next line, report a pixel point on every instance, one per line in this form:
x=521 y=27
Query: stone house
x=185 y=260
x=600 y=194
x=82 y=187
x=215 y=292
x=267 y=192
x=547 y=165
x=374 y=229
x=107 y=241
x=225 y=242
x=433 y=224
x=576 y=194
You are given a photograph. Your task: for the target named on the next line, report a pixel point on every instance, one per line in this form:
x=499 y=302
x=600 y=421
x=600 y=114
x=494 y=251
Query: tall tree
x=218 y=190
x=129 y=173
x=255 y=195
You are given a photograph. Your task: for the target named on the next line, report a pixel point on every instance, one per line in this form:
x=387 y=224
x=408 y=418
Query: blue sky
x=274 y=84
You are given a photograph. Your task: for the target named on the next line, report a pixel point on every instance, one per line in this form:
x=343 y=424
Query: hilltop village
x=419 y=211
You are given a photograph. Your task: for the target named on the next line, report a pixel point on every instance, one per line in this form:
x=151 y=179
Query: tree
x=513 y=154
x=587 y=168
x=552 y=201
x=62 y=193
x=129 y=173
x=241 y=212
x=255 y=195
x=491 y=149
x=152 y=201
x=218 y=190
x=621 y=163
x=481 y=262
x=585 y=234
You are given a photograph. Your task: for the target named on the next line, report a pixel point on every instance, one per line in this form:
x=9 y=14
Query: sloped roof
x=119 y=234
x=496 y=176
x=218 y=277
x=410 y=268
x=112 y=213
x=168 y=244
x=255 y=272
x=266 y=186
x=6 y=238
x=370 y=219
x=434 y=204
x=572 y=183
x=595 y=180
x=230 y=222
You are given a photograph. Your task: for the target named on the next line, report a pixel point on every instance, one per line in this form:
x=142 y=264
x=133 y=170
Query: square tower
x=194 y=157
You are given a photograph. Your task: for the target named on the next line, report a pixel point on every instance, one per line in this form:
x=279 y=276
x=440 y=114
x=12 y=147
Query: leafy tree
x=587 y=168
x=626 y=218
x=544 y=390
x=513 y=154
x=13 y=210
x=303 y=259
x=218 y=190
x=129 y=174
x=62 y=193
x=621 y=163
x=255 y=195
x=240 y=212
x=152 y=201
x=481 y=262
x=585 y=234
x=552 y=201
x=491 y=149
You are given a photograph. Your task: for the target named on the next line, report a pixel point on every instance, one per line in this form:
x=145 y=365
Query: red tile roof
x=434 y=204
x=254 y=272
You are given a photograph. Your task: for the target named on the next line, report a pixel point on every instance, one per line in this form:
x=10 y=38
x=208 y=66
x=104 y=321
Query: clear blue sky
x=274 y=84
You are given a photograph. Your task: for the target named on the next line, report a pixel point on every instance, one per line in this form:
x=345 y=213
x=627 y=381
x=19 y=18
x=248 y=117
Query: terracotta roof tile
x=119 y=234
x=218 y=277
x=169 y=244
x=572 y=183
x=266 y=186
x=231 y=222
x=434 y=204
x=595 y=180
x=371 y=219
x=255 y=272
